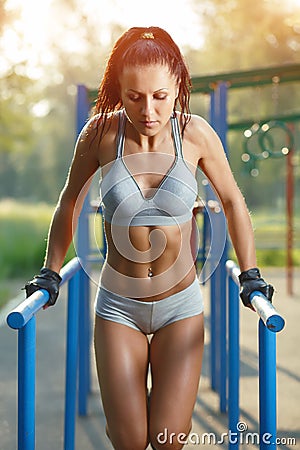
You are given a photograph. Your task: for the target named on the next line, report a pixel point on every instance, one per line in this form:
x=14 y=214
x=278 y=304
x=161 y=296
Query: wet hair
x=141 y=46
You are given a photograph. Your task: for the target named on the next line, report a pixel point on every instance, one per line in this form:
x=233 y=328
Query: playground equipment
x=224 y=321
x=271 y=149
x=263 y=126
x=23 y=318
x=270 y=323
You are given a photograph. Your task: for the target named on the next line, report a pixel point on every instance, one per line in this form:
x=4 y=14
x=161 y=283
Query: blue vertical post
x=233 y=360
x=267 y=387
x=26 y=385
x=84 y=344
x=83 y=242
x=218 y=119
x=83 y=248
x=221 y=106
x=223 y=335
x=213 y=345
x=71 y=362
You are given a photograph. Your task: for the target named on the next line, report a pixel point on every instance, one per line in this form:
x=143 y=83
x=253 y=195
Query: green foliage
x=239 y=37
x=23 y=234
x=270 y=231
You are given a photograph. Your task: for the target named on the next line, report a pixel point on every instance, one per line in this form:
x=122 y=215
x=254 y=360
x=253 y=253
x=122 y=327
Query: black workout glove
x=250 y=281
x=48 y=280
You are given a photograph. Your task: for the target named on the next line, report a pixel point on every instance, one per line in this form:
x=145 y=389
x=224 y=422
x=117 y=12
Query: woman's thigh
x=122 y=358
x=176 y=358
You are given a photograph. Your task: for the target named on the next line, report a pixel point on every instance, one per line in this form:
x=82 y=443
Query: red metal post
x=290 y=214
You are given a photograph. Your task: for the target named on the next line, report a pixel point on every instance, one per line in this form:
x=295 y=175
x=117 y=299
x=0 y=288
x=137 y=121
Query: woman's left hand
x=250 y=281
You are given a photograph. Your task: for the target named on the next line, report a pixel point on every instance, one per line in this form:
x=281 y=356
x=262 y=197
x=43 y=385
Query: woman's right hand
x=47 y=279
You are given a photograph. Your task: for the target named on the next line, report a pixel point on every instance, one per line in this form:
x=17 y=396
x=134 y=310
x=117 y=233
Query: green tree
x=239 y=37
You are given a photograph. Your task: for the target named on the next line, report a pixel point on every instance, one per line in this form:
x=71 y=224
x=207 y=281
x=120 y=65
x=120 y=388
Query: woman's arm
x=64 y=221
x=215 y=166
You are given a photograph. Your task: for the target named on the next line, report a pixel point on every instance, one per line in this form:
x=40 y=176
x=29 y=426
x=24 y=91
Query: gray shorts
x=148 y=317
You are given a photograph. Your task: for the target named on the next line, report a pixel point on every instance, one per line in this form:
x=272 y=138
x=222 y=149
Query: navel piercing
x=150 y=273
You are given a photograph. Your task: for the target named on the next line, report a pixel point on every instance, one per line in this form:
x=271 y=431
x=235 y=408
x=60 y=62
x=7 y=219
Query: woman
x=149 y=154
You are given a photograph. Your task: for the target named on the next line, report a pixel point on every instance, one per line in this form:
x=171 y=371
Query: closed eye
x=134 y=98
x=160 y=97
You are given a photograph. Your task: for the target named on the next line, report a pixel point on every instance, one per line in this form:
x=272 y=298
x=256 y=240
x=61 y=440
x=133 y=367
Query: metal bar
x=71 y=362
x=220 y=123
x=269 y=323
x=26 y=385
x=218 y=337
x=223 y=336
x=83 y=241
x=222 y=114
x=265 y=309
x=69 y=270
x=204 y=244
x=233 y=359
x=267 y=387
x=247 y=123
x=84 y=345
x=267 y=312
x=21 y=315
x=18 y=318
x=23 y=318
x=213 y=369
x=83 y=248
x=83 y=107
x=255 y=77
x=210 y=195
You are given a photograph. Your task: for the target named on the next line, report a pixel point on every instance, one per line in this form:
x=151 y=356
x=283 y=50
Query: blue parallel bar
x=213 y=350
x=26 y=386
x=23 y=319
x=233 y=359
x=218 y=120
x=213 y=365
x=202 y=254
x=71 y=362
x=223 y=334
x=83 y=250
x=266 y=311
x=84 y=345
x=270 y=322
x=221 y=128
x=217 y=330
x=19 y=317
x=82 y=107
x=267 y=387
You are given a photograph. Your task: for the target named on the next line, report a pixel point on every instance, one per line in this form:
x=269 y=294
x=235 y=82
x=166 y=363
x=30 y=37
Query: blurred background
x=49 y=47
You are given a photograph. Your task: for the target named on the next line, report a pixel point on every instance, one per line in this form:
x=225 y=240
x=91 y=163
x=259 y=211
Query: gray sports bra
x=171 y=203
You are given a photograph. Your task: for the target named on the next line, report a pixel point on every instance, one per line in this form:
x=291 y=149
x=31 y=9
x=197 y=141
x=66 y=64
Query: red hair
x=141 y=46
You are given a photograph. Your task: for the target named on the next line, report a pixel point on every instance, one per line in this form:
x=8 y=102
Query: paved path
x=90 y=433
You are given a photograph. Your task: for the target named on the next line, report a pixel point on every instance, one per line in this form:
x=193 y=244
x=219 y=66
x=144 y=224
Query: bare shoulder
x=97 y=137
x=201 y=133
x=93 y=148
x=200 y=136
x=198 y=127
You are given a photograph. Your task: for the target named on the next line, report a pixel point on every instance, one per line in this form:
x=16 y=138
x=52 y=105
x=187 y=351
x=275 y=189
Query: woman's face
x=148 y=94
